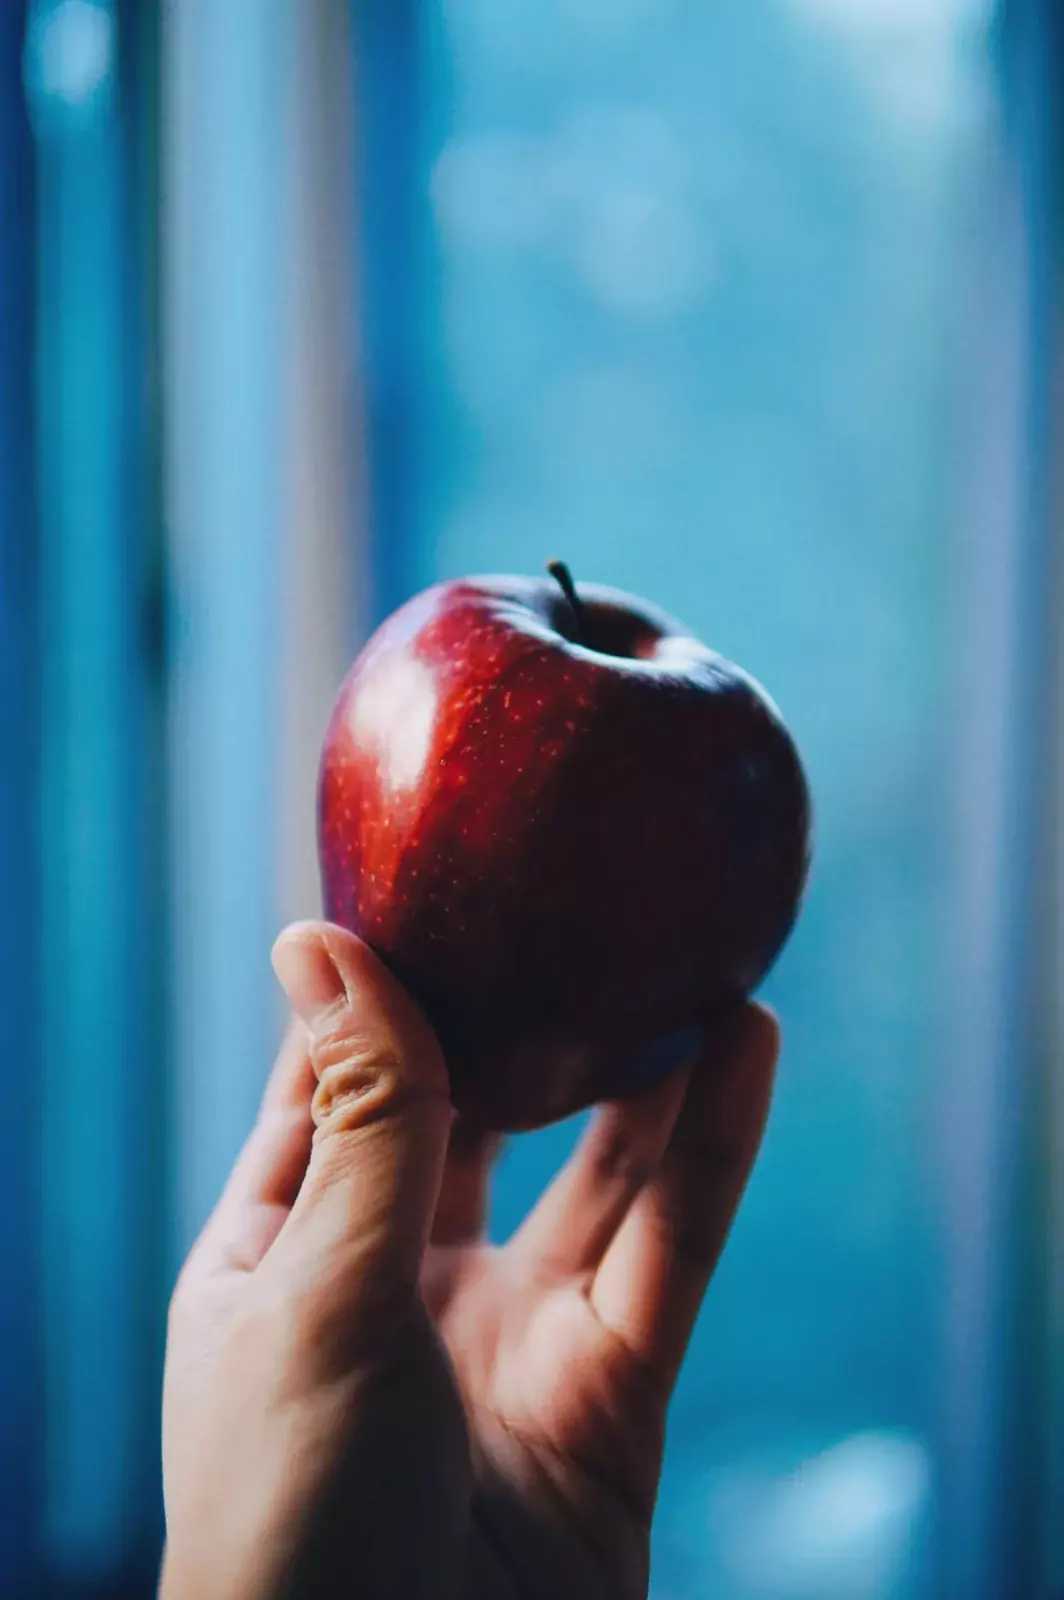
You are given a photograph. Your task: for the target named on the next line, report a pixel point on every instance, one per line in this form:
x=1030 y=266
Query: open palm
x=566 y=1341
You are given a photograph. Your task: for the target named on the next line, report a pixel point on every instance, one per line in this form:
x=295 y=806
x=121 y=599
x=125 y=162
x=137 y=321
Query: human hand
x=362 y=1397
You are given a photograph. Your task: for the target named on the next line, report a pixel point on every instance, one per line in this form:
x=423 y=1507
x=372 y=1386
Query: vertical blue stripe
x=228 y=272
x=92 y=678
x=148 y=1083
x=993 y=1502
x=1032 y=1520
x=393 y=222
x=19 y=889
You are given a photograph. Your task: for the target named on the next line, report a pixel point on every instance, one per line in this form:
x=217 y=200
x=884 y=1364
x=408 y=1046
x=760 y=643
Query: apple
x=578 y=836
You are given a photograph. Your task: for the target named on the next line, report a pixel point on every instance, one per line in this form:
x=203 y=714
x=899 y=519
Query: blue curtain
x=102 y=1062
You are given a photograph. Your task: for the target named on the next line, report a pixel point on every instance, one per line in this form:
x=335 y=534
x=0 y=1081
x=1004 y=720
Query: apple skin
x=575 y=855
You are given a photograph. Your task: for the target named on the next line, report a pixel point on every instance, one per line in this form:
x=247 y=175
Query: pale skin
x=365 y=1399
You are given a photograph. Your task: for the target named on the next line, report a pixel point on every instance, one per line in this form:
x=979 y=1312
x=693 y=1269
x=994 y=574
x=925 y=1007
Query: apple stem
x=564 y=579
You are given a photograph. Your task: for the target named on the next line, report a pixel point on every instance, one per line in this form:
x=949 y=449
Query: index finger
x=269 y=1171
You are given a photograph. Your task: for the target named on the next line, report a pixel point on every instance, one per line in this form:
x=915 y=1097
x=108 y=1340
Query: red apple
x=576 y=834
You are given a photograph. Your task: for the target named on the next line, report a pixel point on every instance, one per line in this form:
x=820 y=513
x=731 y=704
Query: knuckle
x=361 y=1080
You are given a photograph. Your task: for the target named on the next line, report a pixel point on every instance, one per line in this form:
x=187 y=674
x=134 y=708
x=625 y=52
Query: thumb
x=382 y=1116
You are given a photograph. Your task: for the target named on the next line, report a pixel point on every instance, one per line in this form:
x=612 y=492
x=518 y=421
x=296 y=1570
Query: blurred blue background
x=750 y=307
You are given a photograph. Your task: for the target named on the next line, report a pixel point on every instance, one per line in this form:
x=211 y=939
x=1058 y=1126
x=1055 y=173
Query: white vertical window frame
x=325 y=561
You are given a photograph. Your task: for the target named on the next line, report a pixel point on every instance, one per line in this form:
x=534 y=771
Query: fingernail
x=311 y=979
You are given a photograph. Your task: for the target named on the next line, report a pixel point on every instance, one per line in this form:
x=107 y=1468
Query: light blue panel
x=227 y=272
x=97 y=1497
